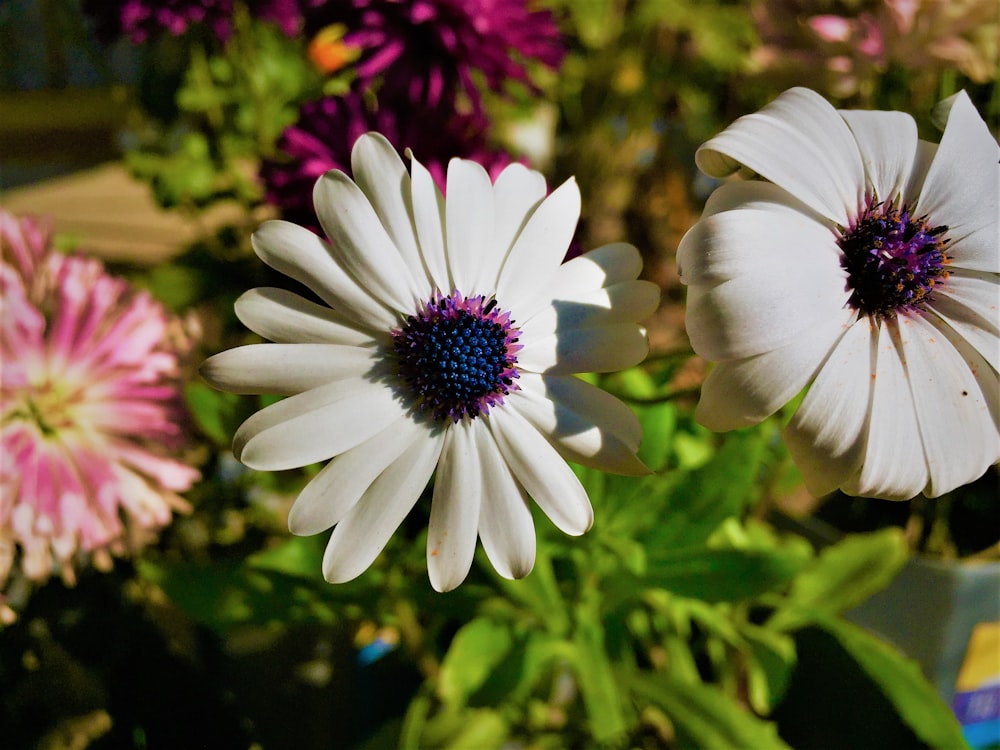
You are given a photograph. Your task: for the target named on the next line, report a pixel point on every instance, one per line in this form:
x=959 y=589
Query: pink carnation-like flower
x=90 y=410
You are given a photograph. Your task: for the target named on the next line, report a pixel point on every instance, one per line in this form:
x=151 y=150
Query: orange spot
x=328 y=52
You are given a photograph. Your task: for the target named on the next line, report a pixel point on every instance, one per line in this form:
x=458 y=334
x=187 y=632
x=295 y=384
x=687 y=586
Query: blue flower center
x=893 y=260
x=457 y=356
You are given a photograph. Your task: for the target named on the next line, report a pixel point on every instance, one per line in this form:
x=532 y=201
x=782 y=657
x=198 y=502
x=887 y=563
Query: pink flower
x=90 y=410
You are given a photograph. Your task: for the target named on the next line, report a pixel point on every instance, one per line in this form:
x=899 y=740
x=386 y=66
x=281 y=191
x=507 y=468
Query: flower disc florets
x=894 y=260
x=457 y=356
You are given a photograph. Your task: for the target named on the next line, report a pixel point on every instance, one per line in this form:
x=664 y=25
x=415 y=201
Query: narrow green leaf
x=483 y=729
x=216 y=414
x=704 y=717
x=602 y=696
x=771 y=662
x=476 y=650
x=297 y=556
x=901 y=681
x=843 y=576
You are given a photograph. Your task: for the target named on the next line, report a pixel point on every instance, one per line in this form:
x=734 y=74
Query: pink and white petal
x=383 y=178
x=361 y=245
x=517 y=192
x=962 y=188
x=542 y=472
x=892 y=464
x=286 y=368
x=968 y=302
x=598 y=268
x=585 y=424
x=888 y=143
x=506 y=528
x=627 y=302
x=603 y=349
x=303 y=256
x=800 y=143
x=826 y=437
x=285 y=317
x=469 y=211
x=315 y=425
x=539 y=249
x=430 y=221
x=358 y=539
x=331 y=494
x=743 y=392
x=458 y=492
x=958 y=431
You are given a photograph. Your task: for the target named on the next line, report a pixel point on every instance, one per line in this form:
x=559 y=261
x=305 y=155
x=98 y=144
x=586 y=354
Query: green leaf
x=483 y=729
x=602 y=696
x=476 y=650
x=902 y=682
x=704 y=717
x=720 y=575
x=217 y=414
x=297 y=556
x=771 y=662
x=843 y=576
x=722 y=488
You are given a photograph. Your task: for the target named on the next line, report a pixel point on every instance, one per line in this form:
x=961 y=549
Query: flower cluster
x=451 y=344
x=89 y=398
x=861 y=264
x=853 y=44
x=416 y=67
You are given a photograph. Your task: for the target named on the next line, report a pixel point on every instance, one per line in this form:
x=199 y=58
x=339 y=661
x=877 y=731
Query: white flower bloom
x=450 y=342
x=862 y=263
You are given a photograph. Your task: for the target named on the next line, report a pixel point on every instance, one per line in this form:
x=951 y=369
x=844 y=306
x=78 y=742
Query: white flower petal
x=540 y=248
x=516 y=193
x=799 y=142
x=328 y=496
x=458 y=493
x=301 y=255
x=629 y=301
x=469 y=210
x=315 y=425
x=743 y=392
x=826 y=437
x=361 y=244
x=506 y=528
x=968 y=301
x=601 y=267
x=429 y=218
x=285 y=317
x=383 y=178
x=362 y=535
x=959 y=434
x=887 y=142
x=772 y=277
x=962 y=188
x=286 y=368
x=758 y=195
x=892 y=464
x=585 y=424
x=542 y=472
x=603 y=349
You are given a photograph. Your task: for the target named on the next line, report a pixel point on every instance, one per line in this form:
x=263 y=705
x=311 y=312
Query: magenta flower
x=139 y=20
x=426 y=51
x=90 y=405
x=327 y=129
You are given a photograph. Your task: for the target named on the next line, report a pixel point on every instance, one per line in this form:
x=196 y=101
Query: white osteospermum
x=450 y=342
x=863 y=263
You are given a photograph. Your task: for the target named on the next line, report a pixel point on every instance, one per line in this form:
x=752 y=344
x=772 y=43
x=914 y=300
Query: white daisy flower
x=450 y=342
x=862 y=263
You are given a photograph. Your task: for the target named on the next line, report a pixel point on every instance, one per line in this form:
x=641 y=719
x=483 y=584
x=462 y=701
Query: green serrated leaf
x=704 y=717
x=843 y=576
x=902 y=682
x=476 y=650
